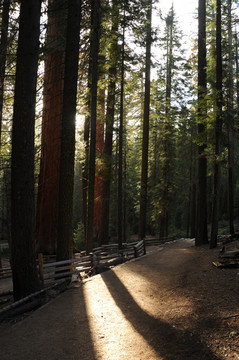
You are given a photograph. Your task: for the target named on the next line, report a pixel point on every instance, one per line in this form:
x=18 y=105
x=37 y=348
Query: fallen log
x=229 y=254
x=32 y=300
x=226 y=264
x=6 y=293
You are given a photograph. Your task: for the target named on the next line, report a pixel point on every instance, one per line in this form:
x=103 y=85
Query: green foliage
x=79 y=237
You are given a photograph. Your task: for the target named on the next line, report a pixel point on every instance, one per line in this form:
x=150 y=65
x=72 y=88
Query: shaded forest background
x=103 y=138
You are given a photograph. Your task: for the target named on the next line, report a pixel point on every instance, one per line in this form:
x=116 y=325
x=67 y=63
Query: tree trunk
x=120 y=153
x=145 y=142
x=99 y=151
x=94 y=49
x=24 y=271
x=103 y=234
x=67 y=154
x=168 y=126
x=230 y=126
x=3 y=54
x=201 y=227
x=218 y=131
x=193 y=186
x=85 y=169
x=48 y=185
x=237 y=75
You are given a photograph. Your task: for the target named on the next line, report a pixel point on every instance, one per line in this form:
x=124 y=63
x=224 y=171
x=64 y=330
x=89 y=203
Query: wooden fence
x=57 y=274
x=105 y=256
x=51 y=271
x=5 y=272
x=158 y=241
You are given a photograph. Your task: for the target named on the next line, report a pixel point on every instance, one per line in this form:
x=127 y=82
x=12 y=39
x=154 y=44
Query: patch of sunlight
x=113 y=336
x=157 y=301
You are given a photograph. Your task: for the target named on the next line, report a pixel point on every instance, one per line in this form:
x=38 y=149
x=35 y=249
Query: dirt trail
x=170 y=304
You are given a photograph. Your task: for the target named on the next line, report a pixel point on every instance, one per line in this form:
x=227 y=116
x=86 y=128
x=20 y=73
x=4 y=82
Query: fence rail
x=62 y=269
x=106 y=255
x=5 y=272
x=140 y=249
x=158 y=241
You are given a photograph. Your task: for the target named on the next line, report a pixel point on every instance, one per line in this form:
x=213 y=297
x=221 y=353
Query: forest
x=100 y=140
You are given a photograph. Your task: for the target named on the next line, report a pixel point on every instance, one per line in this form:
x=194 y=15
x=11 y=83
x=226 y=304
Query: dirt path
x=171 y=304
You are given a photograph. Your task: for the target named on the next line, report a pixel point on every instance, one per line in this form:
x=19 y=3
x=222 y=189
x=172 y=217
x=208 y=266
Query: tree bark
x=168 y=127
x=67 y=154
x=230 y=125
x=145 y=142
x=103 y=234
x=120 y=152
x=218 y=131
x=94 y=50
x=24 y=272
x=48 y=185
x=201 y=227
x=99 y=151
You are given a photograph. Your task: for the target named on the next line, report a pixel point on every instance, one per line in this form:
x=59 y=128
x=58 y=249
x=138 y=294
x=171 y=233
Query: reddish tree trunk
x=48 y=188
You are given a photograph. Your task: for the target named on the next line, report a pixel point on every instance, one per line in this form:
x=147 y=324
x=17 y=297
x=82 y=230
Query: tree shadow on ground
x=169 y=342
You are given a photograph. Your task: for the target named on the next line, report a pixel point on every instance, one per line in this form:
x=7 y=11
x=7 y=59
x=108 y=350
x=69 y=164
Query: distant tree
x=201 y=227
x=167 y=128
x=67 y=153
x=168 y=119
x=109 y=122
x=94 y=50
x=145 y=141
x=85 y=166
x=230 y=120
x=120 y=141
x=237 y=75
x=24 y=271
x=218 y=131
x=100 y=120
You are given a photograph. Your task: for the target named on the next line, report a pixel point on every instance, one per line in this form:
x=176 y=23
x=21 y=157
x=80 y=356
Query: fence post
x=144 y=246
x=40 y=268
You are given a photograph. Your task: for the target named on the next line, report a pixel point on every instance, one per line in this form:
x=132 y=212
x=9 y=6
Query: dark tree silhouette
x=24 y=272
x=201 y=230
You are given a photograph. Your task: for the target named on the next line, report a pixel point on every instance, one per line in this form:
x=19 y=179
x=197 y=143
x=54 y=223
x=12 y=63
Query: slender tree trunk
x=24 y=271
x=237 y=75
x=145 y=142
x=193 y=205
x=107 y=150
x=85 y=170
x=120 y=155
x=167 y=140
x=201 y=231
x=230 y=126
x=3 y=55
x=218 y=131
x=48 y=185
x=99 y=151
x=94 y=50
x=67 y=155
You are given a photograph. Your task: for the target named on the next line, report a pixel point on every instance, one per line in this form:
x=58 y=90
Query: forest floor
x=171 y=304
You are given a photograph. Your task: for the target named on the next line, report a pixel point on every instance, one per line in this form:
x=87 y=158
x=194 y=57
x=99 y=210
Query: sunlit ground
x=117 y=333
x=116 y=342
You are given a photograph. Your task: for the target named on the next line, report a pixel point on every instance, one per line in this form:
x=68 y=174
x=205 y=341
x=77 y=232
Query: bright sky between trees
x=186 y=13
